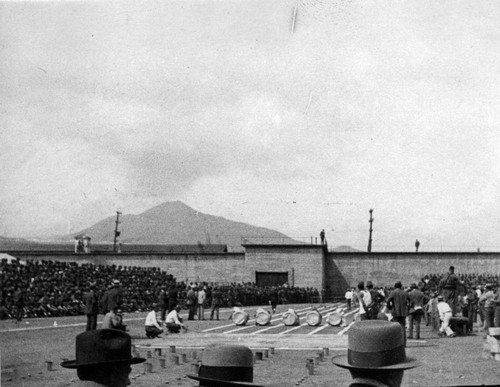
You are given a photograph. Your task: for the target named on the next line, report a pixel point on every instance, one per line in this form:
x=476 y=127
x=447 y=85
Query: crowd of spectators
x=54 y=288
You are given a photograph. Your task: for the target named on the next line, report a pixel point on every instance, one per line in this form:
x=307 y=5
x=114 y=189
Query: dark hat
x=375 y=345
x=102 y=346
x=369 y=283
x=361 y=284
x=226 y=365
x=413 y=285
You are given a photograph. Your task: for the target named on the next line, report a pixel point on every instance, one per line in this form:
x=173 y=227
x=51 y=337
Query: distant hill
x=346 y=249
x=176 y=223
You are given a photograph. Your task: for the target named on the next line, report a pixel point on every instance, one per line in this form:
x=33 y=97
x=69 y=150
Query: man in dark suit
x=91 y=307
x=417 y=302
x=398 y=302
x=113 y=297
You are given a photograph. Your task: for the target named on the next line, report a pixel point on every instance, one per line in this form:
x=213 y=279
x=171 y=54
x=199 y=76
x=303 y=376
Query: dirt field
x=26 y=346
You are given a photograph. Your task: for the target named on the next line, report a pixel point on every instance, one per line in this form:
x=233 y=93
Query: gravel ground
x=26 y=346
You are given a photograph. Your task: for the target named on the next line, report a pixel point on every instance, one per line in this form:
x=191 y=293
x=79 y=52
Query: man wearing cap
x=398 y=302
x=445 y=316
x=225 y=366
x=91 y=309
x=103 y=358
x=376 y=354
x=113 y=297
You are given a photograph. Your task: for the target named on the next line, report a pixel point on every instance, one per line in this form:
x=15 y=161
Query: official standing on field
x=91 y=307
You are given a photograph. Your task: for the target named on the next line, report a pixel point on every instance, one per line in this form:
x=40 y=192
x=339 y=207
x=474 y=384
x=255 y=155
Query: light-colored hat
x=102 y=346
x=375 y=345
x=226 y=365
x=116 y=282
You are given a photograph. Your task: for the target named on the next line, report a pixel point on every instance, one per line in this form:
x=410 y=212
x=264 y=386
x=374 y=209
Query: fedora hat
x=102 y=346
x=226 y=365
x=116 y=282
x=375 y=345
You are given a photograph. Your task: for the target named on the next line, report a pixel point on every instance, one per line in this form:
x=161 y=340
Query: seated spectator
x=103 y=356
x=376 y=354
x=153 y=329
x=174 y=321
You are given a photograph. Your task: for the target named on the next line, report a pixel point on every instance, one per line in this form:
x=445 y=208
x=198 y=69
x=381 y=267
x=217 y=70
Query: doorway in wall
x=271 y=278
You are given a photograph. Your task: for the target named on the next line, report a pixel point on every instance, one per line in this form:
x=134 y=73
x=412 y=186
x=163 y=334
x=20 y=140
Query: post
x=117 y=233
x=371 y=230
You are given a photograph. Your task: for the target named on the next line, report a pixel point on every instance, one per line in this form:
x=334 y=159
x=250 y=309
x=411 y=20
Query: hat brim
x=222 y=383
x=341 y=361
x=74 y=364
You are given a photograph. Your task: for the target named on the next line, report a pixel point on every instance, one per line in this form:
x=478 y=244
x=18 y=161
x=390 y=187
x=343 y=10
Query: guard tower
x=82 y=244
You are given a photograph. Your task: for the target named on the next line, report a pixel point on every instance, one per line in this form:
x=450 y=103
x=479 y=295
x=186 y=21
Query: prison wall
x=384 y=269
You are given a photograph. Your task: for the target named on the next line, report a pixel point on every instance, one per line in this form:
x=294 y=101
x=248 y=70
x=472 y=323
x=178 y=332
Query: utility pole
x=117 y=233
x=371 y=230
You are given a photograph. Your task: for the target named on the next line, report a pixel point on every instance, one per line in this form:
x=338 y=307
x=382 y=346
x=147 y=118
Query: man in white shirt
x=202 y=296
x=445 y=315
x=174 y=321
x=348 y=298
x=153 y=329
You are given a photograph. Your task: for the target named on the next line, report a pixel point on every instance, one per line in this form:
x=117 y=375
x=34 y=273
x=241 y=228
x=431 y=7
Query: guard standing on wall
x=417 y=245
x=322 y=236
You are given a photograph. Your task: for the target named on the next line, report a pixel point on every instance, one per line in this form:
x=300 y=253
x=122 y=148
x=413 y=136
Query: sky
x=292 y=115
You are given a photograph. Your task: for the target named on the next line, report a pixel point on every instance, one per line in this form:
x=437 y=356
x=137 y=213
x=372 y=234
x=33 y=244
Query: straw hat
x=226 y=365
x=102 y=346
x=375 y=345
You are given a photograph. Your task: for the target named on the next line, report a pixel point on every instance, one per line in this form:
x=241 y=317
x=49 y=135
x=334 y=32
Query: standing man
x=91 y=307
x=398 y=301
x=191 y=300
x=365 y=300
x=173 y=294
x=348 y=298
x=113 y=297
x=19 y=302
x=163 y=301
x=487 y=301
x=377 y=299
x=417 y=245
x=417 y=302
x=216 y=302
x=322 y=236
x=202 y=296
x=448 y=285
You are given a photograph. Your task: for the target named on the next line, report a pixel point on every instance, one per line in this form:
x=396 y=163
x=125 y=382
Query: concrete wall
x=307 y=265
x=347 y=269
